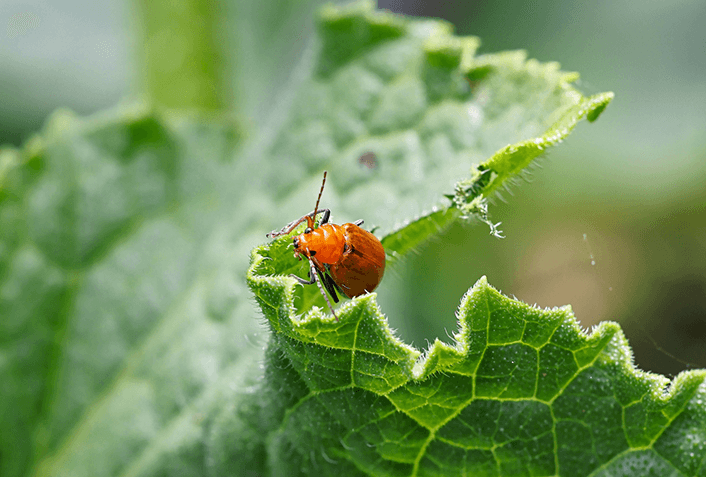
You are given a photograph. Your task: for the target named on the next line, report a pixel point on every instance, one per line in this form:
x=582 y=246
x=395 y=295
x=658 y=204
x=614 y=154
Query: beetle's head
x=301 y=244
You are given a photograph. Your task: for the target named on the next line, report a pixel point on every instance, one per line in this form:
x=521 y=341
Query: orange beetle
x=344 y=257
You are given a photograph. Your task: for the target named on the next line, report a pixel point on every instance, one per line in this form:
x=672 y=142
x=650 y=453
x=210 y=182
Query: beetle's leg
x=358 y=222
x=286 y=229
x=327 y=215
x=329 y=284
x=315 y=278
x=324 y=219
x=292 y=225
x=320 y=211
x=301 y=280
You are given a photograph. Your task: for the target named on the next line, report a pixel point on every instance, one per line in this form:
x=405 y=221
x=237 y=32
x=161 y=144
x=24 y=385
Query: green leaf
x=130 y=343
x=521 y=391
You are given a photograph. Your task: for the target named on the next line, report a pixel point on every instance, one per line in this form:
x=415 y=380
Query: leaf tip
x=481 y=283
x=350 y=29
x=449 y=52
x=597 y=104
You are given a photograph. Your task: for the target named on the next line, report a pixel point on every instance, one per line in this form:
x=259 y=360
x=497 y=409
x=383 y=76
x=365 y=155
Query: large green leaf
x=521 y=391
x=130 y=343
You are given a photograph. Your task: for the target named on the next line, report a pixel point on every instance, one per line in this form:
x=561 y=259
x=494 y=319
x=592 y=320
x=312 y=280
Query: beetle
x=345 y=258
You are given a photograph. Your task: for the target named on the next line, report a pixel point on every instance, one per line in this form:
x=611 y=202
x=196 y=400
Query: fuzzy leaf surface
x=520 y=391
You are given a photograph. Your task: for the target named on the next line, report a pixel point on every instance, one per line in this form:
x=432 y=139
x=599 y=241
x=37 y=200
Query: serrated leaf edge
x=419 y=365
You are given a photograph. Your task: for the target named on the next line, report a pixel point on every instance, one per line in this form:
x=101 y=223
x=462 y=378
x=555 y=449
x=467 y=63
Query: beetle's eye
x=308 y=230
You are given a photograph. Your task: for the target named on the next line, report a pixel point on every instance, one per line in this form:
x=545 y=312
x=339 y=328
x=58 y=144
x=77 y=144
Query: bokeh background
x=612 y=222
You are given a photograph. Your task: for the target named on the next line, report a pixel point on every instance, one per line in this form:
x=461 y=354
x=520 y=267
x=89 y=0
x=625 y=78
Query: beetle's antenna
x=316 y=208
x=315 y=276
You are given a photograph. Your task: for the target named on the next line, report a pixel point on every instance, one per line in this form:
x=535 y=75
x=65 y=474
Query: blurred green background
x=613 y=221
